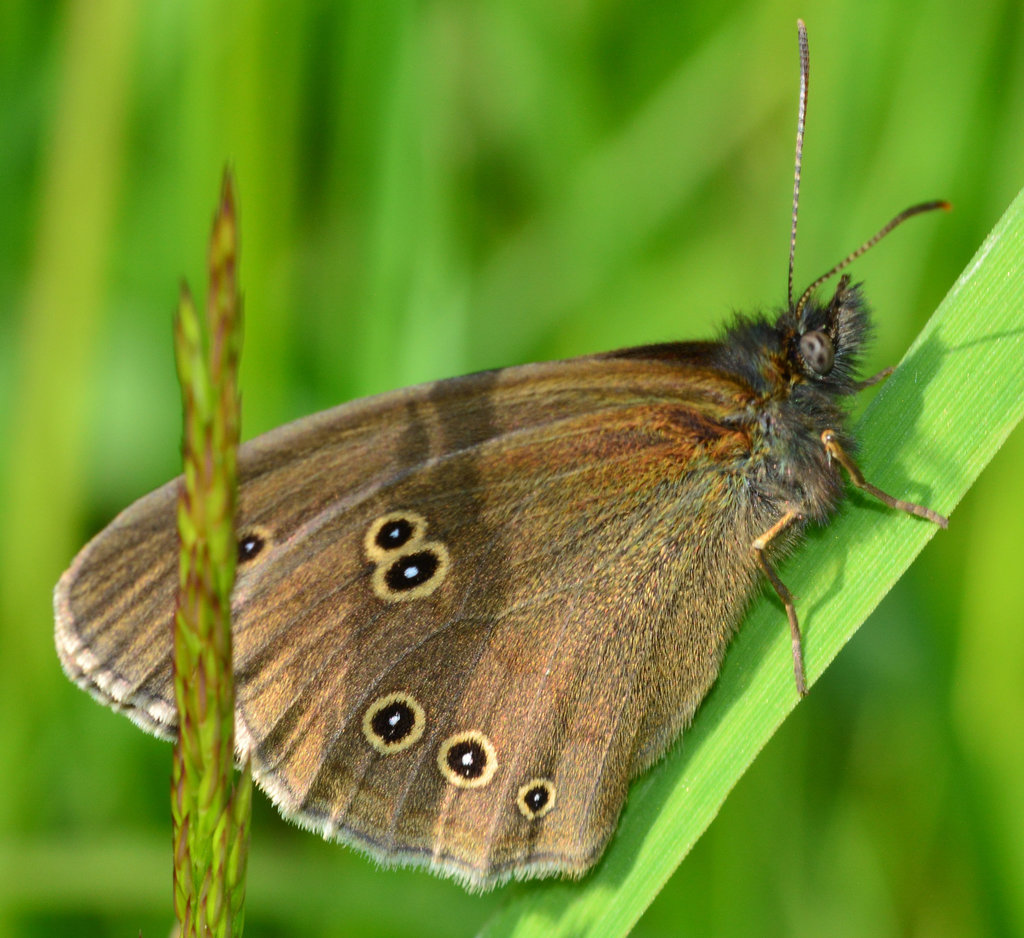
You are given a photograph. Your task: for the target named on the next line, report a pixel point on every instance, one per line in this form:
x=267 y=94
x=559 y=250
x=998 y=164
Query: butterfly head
x=822 y=342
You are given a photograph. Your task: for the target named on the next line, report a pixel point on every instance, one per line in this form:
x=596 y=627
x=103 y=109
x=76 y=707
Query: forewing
x=558 y=628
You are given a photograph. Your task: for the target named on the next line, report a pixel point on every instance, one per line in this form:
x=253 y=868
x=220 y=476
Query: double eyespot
x=408 y=566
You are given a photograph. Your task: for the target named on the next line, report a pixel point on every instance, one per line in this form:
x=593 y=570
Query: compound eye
x=816 y=349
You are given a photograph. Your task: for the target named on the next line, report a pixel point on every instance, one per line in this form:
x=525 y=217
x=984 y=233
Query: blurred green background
x=432 y=188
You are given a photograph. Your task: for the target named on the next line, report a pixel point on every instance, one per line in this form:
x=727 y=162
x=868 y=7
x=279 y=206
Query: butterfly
x=467 y=614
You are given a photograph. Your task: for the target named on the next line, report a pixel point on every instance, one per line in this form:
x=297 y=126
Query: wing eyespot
x=252 y=545
x=392 y=532
x=413 y=574
x=468 y=759
x=394 y=722
x=536 y=798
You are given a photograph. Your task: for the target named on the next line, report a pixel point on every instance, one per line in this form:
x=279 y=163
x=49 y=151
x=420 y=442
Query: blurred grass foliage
x=430 y=188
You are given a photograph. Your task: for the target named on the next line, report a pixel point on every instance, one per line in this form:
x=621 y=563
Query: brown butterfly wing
x=562 y=634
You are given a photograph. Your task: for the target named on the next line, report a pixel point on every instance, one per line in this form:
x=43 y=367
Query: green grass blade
x=932 y=428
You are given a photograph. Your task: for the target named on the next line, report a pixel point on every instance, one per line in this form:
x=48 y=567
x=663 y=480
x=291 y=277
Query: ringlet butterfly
x=468 y=613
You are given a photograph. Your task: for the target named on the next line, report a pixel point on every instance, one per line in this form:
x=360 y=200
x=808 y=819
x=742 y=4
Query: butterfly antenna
x=866 y=246
x=801 y=117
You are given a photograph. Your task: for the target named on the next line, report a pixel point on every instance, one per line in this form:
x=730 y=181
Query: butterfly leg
x=874 y=379
x=836 y=452
x=759 y=545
